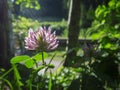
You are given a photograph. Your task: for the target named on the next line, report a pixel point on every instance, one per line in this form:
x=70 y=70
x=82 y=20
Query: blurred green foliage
x=106 y=26
x=22 y=25
x=106 y=29
x=29 y=3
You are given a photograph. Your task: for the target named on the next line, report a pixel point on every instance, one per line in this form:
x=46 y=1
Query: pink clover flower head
x=41 y=39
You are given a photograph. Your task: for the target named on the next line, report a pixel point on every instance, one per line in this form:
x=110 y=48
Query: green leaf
x=39 y=68
x=111 y=3
x=51 y=66
x=29 y=63
x=37 y=7
x=97 y=35
x=99 y=11
x=17 y=2
x=108 y=45
x=19 y=59
x=17 y=77
x=38 y=57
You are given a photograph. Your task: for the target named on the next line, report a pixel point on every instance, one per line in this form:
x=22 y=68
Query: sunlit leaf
x=108 y=45
x=27 y=5
x=111 y=3
x=38 y=57
x=37 y=7
x=29 y=63
x=19 y=59
x=17 y=2
x=118 y=5
x=97 y=35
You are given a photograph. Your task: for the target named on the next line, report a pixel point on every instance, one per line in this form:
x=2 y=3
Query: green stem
x=43 y=58
x=7 y=72
x=50 y=82
x=31 y=86
x=35 y=63
x=37 y=86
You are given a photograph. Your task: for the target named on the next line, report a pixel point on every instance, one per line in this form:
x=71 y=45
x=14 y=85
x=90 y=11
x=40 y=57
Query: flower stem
x=6 y=73
x=43 y=58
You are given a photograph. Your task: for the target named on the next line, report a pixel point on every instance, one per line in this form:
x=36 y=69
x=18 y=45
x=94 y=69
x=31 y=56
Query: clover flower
x=41 y=39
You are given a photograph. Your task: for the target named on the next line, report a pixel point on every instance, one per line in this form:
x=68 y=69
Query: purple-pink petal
x=42 y=38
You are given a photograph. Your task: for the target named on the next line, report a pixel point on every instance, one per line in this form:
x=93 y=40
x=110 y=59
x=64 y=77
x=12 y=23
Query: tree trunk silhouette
x=73 y=28
x=4 y=35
